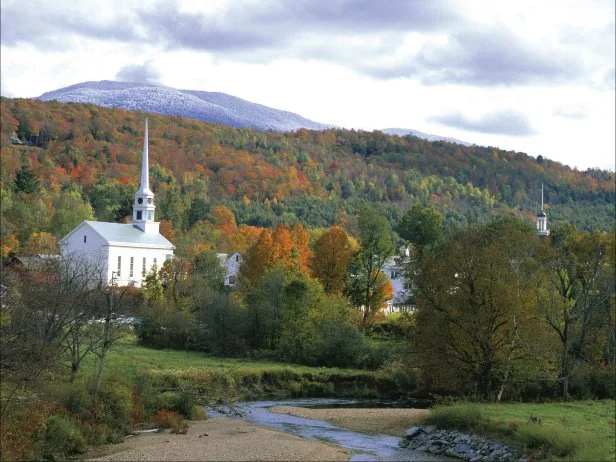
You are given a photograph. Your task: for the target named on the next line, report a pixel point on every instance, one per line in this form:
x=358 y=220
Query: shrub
x=62 y=438
x=20 y=426
x=199 y=413
x=114 y=406
x=182 y=402
x=76 y=399
x=172 y=420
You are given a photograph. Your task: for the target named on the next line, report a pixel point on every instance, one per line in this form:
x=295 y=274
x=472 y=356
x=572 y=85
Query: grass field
x=580 y=430
x=221 y=379
x=127 y=356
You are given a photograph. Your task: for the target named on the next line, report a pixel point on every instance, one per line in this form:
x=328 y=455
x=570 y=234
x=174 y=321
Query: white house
x=125 y=252
x=394 y=268
x=231 y=264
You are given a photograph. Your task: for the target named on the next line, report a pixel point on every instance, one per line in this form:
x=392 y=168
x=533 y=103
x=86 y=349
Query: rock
x=462 y=448
x=412 y=432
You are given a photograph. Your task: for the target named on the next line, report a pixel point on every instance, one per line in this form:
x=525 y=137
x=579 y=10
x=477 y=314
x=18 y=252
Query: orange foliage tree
x=332 y=253
x=41 y=243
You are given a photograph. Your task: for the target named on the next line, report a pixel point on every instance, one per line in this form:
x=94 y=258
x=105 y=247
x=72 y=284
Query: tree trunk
x=106 y=344
x=564 y=374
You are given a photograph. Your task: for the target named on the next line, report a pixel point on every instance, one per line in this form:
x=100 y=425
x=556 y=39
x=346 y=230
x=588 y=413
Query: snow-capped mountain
x=201 y=105
x=425 y=136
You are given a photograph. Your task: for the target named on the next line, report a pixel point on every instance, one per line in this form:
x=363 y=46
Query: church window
x=85 y=238
x=143 y=268
x=150 y=215
x=119 y=266
x=237 y=258
x=149 y=200
x=132 y=262
x=139 y=215
x=155 y=262
x=140 y=200
x=168 y=257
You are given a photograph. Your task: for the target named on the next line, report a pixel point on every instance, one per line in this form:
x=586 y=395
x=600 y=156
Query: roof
x=37 y=262
x=120 y=233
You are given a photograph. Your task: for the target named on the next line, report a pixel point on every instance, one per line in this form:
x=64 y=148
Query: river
x=364 y=446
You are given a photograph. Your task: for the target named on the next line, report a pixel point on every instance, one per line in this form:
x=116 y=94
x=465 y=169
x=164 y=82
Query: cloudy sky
x=525 y=75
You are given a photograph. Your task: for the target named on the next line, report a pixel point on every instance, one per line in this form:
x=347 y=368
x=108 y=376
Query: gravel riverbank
x=222 y=440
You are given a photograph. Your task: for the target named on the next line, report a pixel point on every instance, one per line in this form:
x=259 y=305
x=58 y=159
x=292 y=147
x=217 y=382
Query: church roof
x=128 y=234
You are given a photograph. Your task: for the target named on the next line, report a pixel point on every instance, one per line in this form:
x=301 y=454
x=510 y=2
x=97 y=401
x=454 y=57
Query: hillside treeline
x=83 y=161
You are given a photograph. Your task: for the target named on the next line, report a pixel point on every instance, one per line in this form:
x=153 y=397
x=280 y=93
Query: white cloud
x=552 y=62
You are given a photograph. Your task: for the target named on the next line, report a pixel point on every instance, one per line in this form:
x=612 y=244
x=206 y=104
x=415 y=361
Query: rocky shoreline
x=452 y=443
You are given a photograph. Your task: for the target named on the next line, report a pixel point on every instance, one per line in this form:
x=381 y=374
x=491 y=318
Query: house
x=124 y=252
x=394 y=269
x=232 y=267
x=40 y=267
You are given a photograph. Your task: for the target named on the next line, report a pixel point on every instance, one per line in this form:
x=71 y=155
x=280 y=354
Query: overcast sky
x=534 y=76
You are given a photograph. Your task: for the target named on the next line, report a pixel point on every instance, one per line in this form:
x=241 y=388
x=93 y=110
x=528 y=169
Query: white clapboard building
x=124 y=252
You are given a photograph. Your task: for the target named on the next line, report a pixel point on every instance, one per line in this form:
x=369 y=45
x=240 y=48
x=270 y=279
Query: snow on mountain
x=205 y=106
x=200 y=105
x=425 y=136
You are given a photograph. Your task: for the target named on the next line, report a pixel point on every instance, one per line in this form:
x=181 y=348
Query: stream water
x=364 y=446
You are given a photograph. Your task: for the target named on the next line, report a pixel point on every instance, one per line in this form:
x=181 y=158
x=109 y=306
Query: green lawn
x=580 y=430
x=128 y=356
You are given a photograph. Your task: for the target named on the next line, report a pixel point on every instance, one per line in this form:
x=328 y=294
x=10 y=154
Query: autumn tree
x=332 y=254
x=376 y=247
x=41 y=243
x=576 y=298
x=258 y=258
x=471 y=306
x=224 y=219
x=281 y=246
x=301 y=245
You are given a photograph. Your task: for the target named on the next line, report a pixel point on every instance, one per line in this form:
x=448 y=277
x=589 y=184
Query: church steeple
x=143 y=207
x=542 y=219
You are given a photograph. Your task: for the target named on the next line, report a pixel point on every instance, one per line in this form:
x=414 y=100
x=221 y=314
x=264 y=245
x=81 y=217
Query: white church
x=125 y=252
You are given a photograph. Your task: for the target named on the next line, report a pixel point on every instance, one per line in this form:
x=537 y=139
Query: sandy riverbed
x=224 y=440
x=387 y=421
x=231 y=439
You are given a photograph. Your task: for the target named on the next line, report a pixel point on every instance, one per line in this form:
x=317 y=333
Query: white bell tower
x=143 y=207
x=542 y=219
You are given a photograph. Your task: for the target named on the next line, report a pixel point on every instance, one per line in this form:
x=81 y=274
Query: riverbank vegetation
x=581 y=430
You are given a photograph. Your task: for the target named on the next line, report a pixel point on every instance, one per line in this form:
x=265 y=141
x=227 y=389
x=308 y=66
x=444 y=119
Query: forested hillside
x=83 y=161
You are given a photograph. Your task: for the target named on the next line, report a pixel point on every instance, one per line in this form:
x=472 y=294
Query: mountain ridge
x=211 y=107
x=314 y=177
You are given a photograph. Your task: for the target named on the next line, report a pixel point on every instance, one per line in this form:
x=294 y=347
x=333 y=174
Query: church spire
x=542 y=219
x=143 y=207
x=145 y=167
